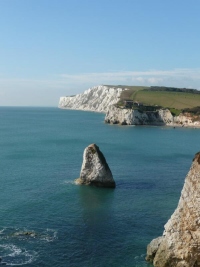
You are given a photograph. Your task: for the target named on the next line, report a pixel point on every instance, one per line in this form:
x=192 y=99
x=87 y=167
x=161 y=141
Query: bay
x=47 y=220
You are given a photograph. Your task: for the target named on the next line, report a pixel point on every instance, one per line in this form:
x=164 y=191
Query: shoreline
x=157 y=125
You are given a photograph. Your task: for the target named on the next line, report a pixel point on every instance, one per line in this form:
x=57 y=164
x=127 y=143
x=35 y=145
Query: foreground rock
x=95 y=170
x=180 y=244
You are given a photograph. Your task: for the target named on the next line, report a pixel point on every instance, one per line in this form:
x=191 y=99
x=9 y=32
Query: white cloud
x=139 y=79
x=176 y=77
x=155 y=80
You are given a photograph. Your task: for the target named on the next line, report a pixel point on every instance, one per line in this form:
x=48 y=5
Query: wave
x=18 y=244
x=69 y=182
x=13 y=255
x=139 y=261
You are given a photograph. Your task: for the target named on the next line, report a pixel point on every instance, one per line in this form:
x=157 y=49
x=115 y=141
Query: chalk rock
x=97 y=99
x=125 y=116
x=95 y=170
x=180 y=244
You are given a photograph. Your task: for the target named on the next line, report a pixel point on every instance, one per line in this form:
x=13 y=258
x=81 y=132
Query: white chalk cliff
x=126 y=116
x=180 y=244
x=136 y=117
x=97 y=98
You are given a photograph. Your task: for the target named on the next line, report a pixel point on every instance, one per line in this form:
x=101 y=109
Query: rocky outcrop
x=152 y=248
x=126 y=116
x=135 y=117
x=95 y=170
x=180 y=244
x=98 y=99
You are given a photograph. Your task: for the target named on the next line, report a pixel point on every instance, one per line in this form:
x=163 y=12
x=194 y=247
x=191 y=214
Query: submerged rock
x=95 y=170
x=180 y=243
x=25 y=233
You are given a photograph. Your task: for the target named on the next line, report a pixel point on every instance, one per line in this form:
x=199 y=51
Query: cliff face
x=134 y=117
x=97 y=99
x=180 y=244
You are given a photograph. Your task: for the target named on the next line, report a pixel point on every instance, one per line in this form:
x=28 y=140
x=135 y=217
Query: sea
x=47 y=220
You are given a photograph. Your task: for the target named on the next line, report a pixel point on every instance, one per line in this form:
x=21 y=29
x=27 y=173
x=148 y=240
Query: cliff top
x=166 y=97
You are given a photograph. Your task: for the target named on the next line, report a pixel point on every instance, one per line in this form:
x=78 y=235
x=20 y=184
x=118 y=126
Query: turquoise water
x=70 y=225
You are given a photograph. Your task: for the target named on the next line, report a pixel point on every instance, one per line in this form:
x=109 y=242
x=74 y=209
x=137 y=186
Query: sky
x=53 y=48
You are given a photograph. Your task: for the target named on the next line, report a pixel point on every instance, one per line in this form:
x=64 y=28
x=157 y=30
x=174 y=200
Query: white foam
x=68 y=182
x=49 y=235
x=1 y=231
x=15 y=251
x=15 y=256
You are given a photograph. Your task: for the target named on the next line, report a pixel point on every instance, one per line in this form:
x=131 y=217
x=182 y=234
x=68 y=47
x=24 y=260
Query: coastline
x=174 y=125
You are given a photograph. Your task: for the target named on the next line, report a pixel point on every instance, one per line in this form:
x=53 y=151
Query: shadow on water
x=101 y=239
x=94 y=229
x=96 y=204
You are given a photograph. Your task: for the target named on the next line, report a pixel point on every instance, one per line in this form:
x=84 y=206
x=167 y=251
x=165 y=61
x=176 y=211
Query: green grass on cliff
x=173 y=98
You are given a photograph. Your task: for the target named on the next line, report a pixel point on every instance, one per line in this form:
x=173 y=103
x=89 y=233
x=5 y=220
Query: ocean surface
x=47 y=220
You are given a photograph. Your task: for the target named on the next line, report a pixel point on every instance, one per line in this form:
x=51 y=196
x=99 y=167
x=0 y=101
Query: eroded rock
x=95 y=170
x=152 y=248
x=180 y=244
x=126 y=116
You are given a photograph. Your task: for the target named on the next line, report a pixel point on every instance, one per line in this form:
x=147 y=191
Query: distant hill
x=100 y=98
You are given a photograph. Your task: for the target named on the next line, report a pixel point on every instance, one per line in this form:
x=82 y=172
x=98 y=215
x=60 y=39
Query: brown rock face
x=95 y=170
x=180 y=243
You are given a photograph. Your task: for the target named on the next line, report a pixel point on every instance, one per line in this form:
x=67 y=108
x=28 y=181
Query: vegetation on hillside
x=177 y=100
x=195 y=110
x=173 y=89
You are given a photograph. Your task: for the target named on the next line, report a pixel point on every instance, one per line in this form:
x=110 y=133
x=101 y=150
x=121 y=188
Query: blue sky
x=53 y=48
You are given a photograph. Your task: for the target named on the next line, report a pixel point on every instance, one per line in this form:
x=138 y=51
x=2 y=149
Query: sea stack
x=180 y=244
x=95 y=170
